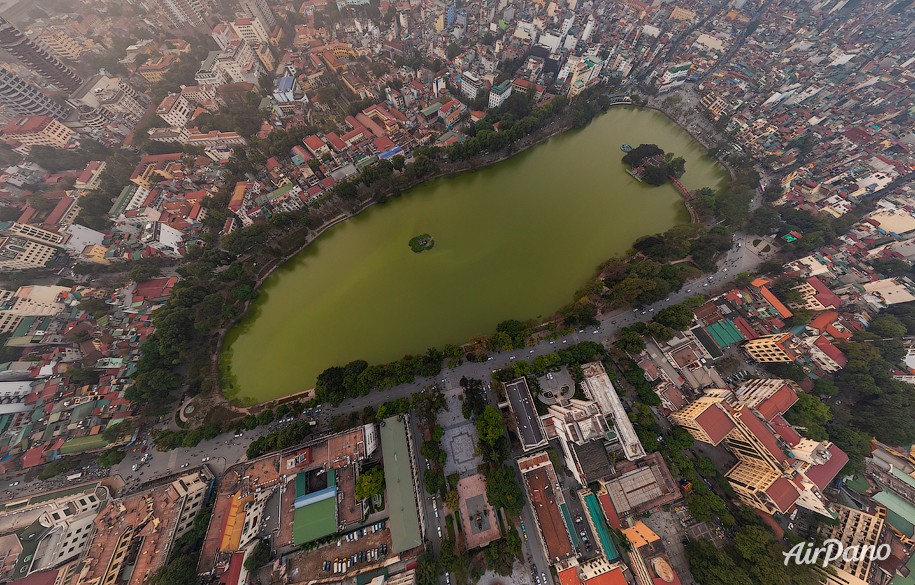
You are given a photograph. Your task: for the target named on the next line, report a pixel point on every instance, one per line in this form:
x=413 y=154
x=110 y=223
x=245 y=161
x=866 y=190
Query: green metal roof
x=724 y=333
x=901 y=508
x=315 y=520
x=597 y=517
x=908 y=479
x=399 y=485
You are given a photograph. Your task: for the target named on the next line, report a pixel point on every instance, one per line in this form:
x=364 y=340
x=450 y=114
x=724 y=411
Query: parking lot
x=666 y=524
x=308 y=565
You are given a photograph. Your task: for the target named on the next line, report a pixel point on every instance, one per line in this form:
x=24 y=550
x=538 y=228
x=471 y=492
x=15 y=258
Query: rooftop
x=399 y=485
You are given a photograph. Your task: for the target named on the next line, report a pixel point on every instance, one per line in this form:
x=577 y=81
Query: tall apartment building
x=112 y=97
x=777 y=469
x=61 y=43
x=853 y=528
x=261 y=11
x=37 y=58
x=191 y=492
x=133 y=535
x=175 y=110
x=237 y=63
x=42 y=533
x=778 y=347
x=183 y=13
x=471 y=84
x=25 y=99
x=18 y=253
x=499 y=93
x=37 y=131
x=251 y=30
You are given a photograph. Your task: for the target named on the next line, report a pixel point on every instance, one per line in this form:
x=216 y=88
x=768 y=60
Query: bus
x=75 y=476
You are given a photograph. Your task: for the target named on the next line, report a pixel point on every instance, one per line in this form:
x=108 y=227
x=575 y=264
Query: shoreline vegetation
x=650 y=164
x=246 y=258
x=421 y=243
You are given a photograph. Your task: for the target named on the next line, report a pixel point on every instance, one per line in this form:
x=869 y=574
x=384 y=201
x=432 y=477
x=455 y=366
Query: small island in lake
x=421 y=243
x=649 y=163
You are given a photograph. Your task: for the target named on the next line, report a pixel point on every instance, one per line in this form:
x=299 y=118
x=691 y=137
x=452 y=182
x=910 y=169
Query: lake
x=511 y=241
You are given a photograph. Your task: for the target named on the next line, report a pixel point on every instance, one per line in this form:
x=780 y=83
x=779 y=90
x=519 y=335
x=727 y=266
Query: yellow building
x=61 y=43
x=705 y=418
x=18 y=253
x=718 y=106
x=265 y=56
x=853 y=528
x=96 y=253
x=682 y=14
x=38 y=131
x=153 y=71
x=778 y=347
x=765 y=477
x=250 y=29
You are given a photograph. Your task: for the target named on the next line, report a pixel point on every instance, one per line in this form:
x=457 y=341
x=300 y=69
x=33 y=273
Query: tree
x=764 y=221
x=111 y=457
x=490 y=426
x=180 y=571
x=678 y=317
x=434 y=481
x=502 y=490
x=144 y=269
x=811 y=413
x=452 y=500
x=370 y=483
x=630 y=341
x=825 y=387
x=259 y=557
x=887 y=326
x=517 y=331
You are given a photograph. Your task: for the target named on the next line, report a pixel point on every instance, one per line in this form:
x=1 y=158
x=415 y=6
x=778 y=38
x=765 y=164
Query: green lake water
x=512 y=241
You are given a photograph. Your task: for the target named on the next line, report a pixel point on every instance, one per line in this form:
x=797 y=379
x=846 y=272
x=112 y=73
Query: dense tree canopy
x=370 y=483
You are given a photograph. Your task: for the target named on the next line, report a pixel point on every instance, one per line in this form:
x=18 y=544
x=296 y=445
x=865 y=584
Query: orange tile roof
x=777 y=304
x=569 y=577
x=614 y=577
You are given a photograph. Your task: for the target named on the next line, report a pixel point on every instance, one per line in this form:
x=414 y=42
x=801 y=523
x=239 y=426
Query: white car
x=205 y=459
x=439 y=528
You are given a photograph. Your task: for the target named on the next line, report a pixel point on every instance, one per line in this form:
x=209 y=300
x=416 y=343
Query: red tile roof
x=785 y=431
x=760 y=431
x=613 y=577
x=32 y=457
x=569 y=577
x=313 y=142
x=783 y=493
x=831 y=350
x=26 y=125
x=826 y=297
x=822 y=475
x=715 y=423
x=777 y=404
x=233 y=573
x=609 y=511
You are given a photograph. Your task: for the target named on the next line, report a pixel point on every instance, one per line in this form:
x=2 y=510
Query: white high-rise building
x=260 y=10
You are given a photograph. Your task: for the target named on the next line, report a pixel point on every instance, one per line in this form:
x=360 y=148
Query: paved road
x=225 y=450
